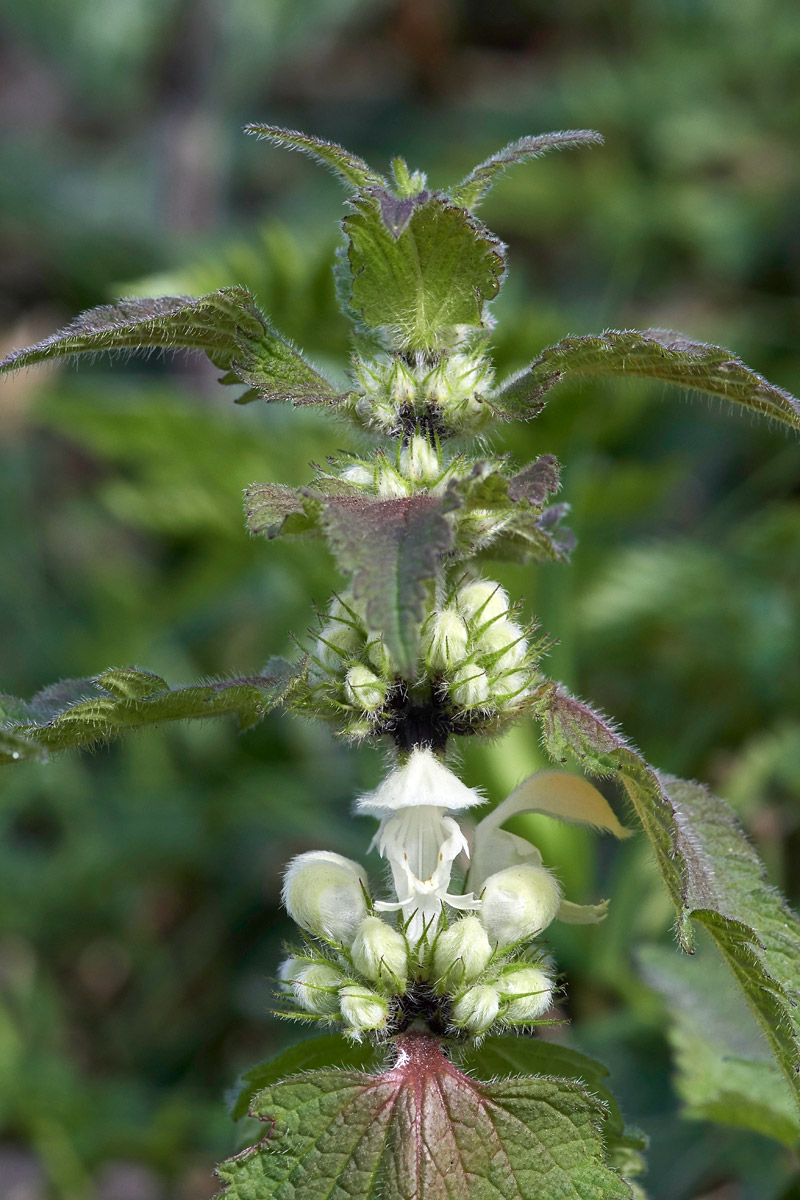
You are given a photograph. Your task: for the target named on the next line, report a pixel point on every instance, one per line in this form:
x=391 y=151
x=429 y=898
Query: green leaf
x=273 y=509
x=83 y=712
x=349 y=167
x=482 y=178
x=227 y=325
x=329 y=1050
x=656 y=354
x=15 y=749
x=507 y=1056
x=712 y=872
x=391 y=549
x=725 y=1072
x=425 y=1130
x=418 y=287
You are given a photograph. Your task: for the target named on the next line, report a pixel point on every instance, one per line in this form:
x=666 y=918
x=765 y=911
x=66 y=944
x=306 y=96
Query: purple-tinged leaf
x=351 y=169
x=655 y=354
x=425 y=1130
x=537 y=481
x=472 y=190
x=392 y=551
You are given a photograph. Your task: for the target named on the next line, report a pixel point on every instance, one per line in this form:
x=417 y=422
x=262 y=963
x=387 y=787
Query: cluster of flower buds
x=480 y=969
x=479 y=651
x=396 y=391
x=418 y=465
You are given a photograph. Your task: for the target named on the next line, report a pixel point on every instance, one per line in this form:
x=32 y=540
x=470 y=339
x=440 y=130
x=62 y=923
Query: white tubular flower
x=324 y=893
x=379 y=952
x=528 y=992
x=482 y=601
x=461 y=953
x=518 y=903
x=555 y=793
x=477 y=1009
x=362 y=1009
x=445 y=641
x=315 y=986
x=419 y=840
x=364 y=689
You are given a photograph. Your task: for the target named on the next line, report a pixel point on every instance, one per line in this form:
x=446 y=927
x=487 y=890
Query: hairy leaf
x=507 y=1056
x=14 y=748
x=438 y=273
x=712 y=872
x=725 y=1070
x=349 y=167
x=227 y=325
x=482 y=178
x=273 y=509
x=391 y=549
x=83 y=712
x=425 y=1130
x=329 y=1050
x=651 y=354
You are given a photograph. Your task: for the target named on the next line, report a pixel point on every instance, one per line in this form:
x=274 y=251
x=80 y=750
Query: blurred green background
x=139 y=926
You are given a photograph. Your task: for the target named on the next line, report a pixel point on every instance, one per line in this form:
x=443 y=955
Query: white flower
x=315 y=985
x=469 y=686
x=558 y=794
x=419 y=840
x=482 y=601
x=518 y=902
x=326 y=894
x=445 y=641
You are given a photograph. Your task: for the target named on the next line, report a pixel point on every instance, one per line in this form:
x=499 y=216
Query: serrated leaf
x=227 y=325
x=329 y=1050
x=269 y=507
x=507 y=1056
x=425 y=1130
x=349 y=167
x=725 y=1072
x=438 y=274
x=482 y=178
x=391 y=549
x=656 y=354
x=83 y=712
x=711 y=871
x=14 y=748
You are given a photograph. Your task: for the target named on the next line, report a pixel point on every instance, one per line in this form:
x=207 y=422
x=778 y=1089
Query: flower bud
x=505 y=639
x=518 y=902
x=337 y=642
x=461 y=953
x=446 y=641
x=402 y=383
x=325 y=893
x=379 y=952
x=364 y=689
x=379 y=657
x=510 y=685
x=482 y=600
x=528 y=992
x=361 y=1008
x=315 y=986
x=469 y=686
x=359 y=474
x=476 y=1009
x=419 y=460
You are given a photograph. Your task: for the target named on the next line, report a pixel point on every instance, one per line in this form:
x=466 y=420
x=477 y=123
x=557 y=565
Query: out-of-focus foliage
x=138 y=902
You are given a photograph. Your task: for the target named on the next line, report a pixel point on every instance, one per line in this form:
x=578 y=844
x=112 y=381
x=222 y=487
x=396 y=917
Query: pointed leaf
x=425 y=1130
x=83 y=712
x=227 y=325
x=713 y=874
x=419 y=286
x=271 y=507
x=496 y=1057
x=725 y=1070
x=392 y=550
x=330 y=1050
x=482 y=178
x=15 y=749
x=349 y=167
x=656 y=354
